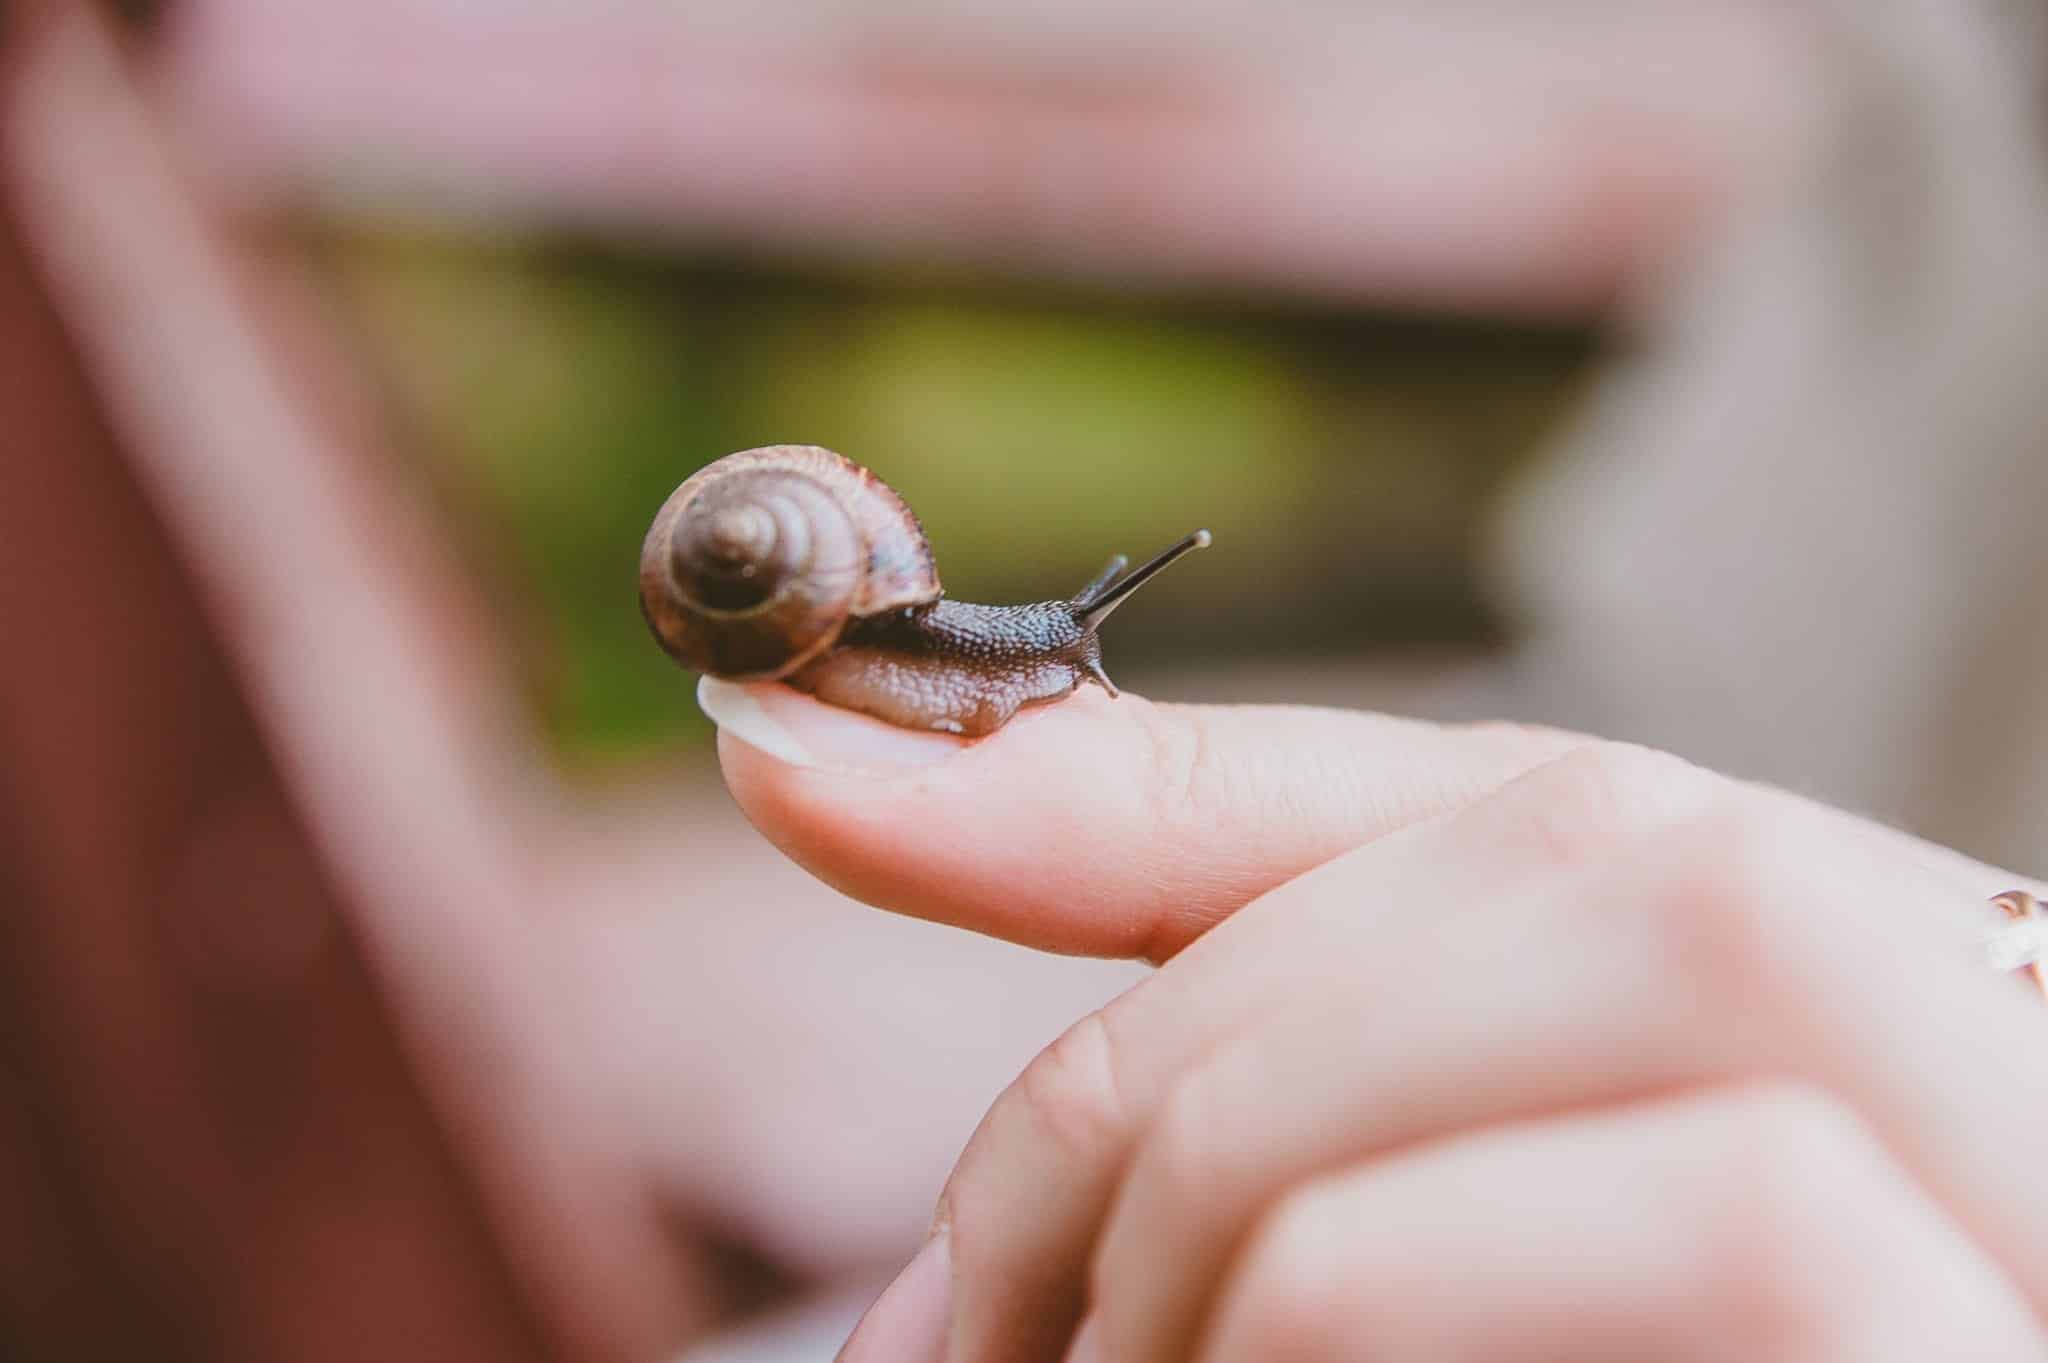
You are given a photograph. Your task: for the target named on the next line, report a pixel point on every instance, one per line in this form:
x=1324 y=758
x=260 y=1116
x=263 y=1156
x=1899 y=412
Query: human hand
x=1564 y=1049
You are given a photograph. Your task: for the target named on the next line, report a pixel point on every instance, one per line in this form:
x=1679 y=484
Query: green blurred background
x=558 y=391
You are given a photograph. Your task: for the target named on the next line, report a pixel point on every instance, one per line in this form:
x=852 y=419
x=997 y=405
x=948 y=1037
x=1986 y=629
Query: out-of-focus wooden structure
x=1474 y=156
x=216 y=1141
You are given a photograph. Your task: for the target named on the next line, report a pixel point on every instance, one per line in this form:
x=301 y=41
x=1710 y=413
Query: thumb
x=1094 y=826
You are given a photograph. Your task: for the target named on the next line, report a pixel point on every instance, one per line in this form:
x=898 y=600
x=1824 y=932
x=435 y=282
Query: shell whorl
x=755 y=564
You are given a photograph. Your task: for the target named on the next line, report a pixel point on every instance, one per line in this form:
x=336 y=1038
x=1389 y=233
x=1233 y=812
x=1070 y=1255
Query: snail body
x=793 y=563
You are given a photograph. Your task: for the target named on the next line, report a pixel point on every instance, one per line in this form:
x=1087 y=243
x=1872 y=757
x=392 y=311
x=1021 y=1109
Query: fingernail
x=1087 y=1345
x=803 y=732
x=908 y=1322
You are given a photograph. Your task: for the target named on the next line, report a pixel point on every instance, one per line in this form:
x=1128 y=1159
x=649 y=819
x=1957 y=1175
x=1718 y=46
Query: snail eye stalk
x=1110 y=572
x=1094 y=604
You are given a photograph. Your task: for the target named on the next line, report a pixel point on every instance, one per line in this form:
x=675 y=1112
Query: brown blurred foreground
x=212 y=1142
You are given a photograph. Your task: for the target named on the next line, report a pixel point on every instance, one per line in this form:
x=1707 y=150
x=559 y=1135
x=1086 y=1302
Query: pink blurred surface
x=1445 y=156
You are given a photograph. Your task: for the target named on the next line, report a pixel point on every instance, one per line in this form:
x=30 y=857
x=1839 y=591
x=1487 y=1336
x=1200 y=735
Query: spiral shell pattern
x=753 y=566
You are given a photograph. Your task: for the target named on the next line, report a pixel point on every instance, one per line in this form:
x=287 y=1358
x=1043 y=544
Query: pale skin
x=1467 y=1044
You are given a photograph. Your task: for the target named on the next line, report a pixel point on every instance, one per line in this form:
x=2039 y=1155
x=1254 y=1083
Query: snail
x=793 y=563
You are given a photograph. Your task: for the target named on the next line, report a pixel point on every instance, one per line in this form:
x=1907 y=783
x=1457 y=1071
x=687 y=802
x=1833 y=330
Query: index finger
x=1095 y=827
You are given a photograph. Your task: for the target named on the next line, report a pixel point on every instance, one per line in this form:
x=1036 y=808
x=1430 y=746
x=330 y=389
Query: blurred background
x=1072 y=277
x=1011 y=260
x=1670 y=371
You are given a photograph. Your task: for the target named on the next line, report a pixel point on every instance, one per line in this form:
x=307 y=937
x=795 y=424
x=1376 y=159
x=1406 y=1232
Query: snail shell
x=755 y=565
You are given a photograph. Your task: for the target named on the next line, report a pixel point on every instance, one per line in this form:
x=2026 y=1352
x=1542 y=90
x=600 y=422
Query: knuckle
x=1065 y=1110
x=1795 y=1140
x=1188 y=1150
x=1602 y=796
x=1727 y=924
x=1287 y=1299
x=1071 y=1094
x=1782 y=1248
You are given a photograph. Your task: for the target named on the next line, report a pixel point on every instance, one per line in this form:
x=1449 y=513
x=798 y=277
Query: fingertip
x=998 y=834
x=815 y=781
x=826 y=818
